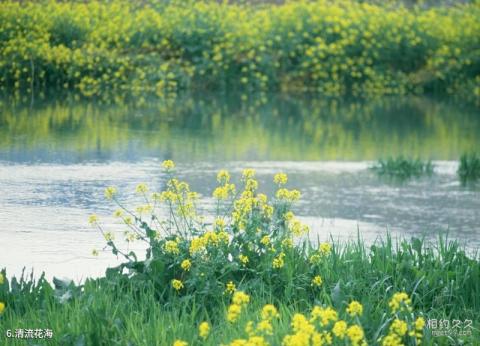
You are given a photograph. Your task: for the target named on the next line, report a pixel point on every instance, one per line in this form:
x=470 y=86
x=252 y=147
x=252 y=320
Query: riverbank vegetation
x=403 y=168
x=331 y=47
x=248 y=276
x=469 y=167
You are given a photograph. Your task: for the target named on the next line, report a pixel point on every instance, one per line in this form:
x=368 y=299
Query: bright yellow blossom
x=203 y=330
x=355 y=308
x=280 y=179
x=177 y=284
x=340 y=329
x=230 y=288
x=355 y=334
x=400 y=301
x=317 y=281
x=180 y=343
x=269 y=312
x=186 y=265
x=168 y=165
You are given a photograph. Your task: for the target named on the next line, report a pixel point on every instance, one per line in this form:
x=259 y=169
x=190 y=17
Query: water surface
x=57 y=156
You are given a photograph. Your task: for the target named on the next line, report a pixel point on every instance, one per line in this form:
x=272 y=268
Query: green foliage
x=469 y=168
x=403 y=168
x=225 y=274
x=331 y=47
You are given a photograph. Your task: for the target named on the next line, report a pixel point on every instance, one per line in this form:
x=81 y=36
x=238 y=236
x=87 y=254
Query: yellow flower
x=355 y=334
x=392 y=340
x=92 y=219
x=325 y=315
x=340 y=329
x=118 y=213
x=325 y=248
x=141 y=188
x=2 y=279
x=168 y=164
x=400 y=301
x=171 y=247
x=317 y=281
x=180 y=343
x=110 y=192
x=301 y=325
x=265 y=326
x=278 y=261
x=269 y=312
x=280 y=179
x=399 y=327
x=248 y=173
x=186 y=265
x=204 y=330
x=419 y=323
x=177 y=284
x=240 y=298
x=355 y=309
x=223 y=176
x=243 y=259
x=94 y=252
x=233 y=312
x=2 y=307
x=230 y=288
x=265 y=240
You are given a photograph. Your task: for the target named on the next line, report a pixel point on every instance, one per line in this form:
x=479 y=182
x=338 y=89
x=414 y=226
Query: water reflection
x=222 y=128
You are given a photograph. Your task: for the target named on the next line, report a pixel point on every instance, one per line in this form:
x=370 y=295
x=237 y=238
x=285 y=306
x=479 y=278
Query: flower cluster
x=333 y=47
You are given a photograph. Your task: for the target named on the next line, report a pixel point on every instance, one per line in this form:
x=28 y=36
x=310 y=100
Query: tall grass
x=441 y=280
x=403 y=168
x=469 y=168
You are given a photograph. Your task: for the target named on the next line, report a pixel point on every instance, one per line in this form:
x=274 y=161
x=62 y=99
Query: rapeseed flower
x=180 y=343
x=399 y=327
x=325 y=315
x=269 y=312
x=2 y=307
x=240 y=298
x=340 y=329
x=177 y=284
x=317 y=281
x=186 y=265
x=278 y=262
x=280 y=179
x=171 y=247
x=355 y=309
x=355 y=334
x=230 y=288
x=168 y=165
x=243 y=259
x=233 y=312
x=204 y=330
x=400 y=301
